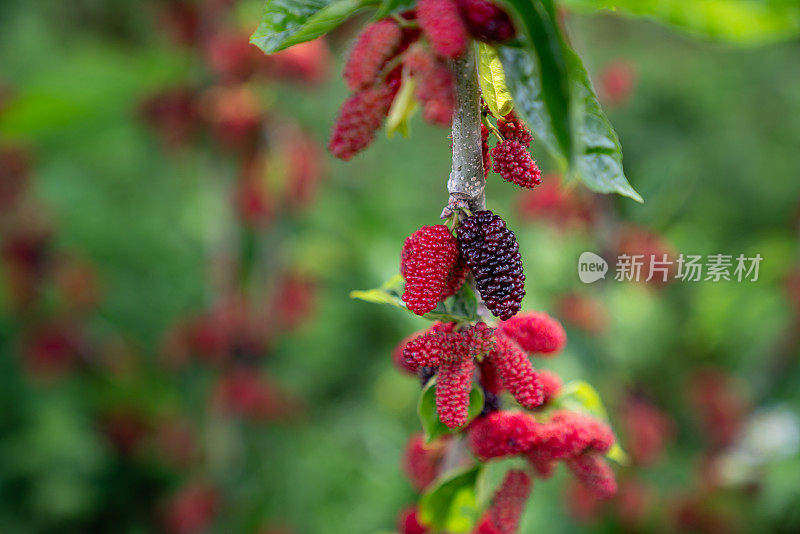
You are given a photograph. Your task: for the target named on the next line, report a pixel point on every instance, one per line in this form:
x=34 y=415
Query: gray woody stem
x=466 y=184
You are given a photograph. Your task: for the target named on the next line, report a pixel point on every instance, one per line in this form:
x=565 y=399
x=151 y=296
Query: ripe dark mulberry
x=435 y=87
x=512 y=161
x=442 y=24
x=486 y=21
x=375 y=45
x=359 y=118
x=428 y=257
x=492 y=253
x=452 y=391
x=518 y=375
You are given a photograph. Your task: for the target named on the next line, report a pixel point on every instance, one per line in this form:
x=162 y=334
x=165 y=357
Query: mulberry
x=513 y=129
x=512 y=161
x=375 y=45
x=435 y=86
x=420 y=461
x=399 y=359
x=535 y=332
x=503 y=434
x=492 y=253
x=518 y=375
x=452 y=391
x=490 y=378
x=541 y=462
x=441 y=22
x=551 y=385
x=359 y=118
x=427 y=350
x=428 y=257
x=487 y=159
x=455 y=279
x=568 y=434
x=479 y=339
x=509 y=502
x=594 y=473
x=486 y=21
x=408 y=522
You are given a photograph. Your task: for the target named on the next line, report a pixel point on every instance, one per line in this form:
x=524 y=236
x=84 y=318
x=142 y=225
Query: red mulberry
x=551 y=385
x=376 y=44
x=503 y=434
x=486 y=21
x=420 y=461
x=509 y=502
x=435 y=87
x=399 y=359
x=513 y=129
x=535 y=332
x=518 y=375
x=452 y=391
x=455 y=279
x=430 y=348
x=594 y=473
x=428 y=257
x=490 y=379
x=359 y=118
x=487 y=158
x=479 y=339
x=492 y=253
x=408 y=522
x=442 y=24
x=541 y=462
x=512 y=161
x=568 y=434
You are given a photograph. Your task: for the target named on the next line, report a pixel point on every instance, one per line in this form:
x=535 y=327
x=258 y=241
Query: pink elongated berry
x=535 y=332
x=435 y=86
x=428 y=257
x=511 y=160
x=509 y=502
x=503 y=434
x=594 y=473
x=441 y=23
x=518 y=375
x=420 y=461
x=541 y=462
x=432 y=347
x=359 y=118
x=486 y=21
x=513 y=129
x=453 y=386
x=551 y=385
x=569 y=434
x=374 y=46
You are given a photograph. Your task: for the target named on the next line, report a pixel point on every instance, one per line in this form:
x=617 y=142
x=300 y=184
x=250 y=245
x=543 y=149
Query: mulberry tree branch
x=466 y=184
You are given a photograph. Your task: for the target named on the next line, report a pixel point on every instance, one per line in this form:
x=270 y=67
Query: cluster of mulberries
x=429 y=263
x=492 y=253
x=575 y=438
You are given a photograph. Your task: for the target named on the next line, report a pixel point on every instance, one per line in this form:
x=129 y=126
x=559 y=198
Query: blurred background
x=178 y=352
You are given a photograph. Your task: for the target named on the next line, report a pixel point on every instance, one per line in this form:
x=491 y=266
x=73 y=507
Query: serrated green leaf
x=289 y=22
x=451 y=505
x=733 y=21
x=402 y=108
x=492 y=80
x=537 y=20
x=432 y=426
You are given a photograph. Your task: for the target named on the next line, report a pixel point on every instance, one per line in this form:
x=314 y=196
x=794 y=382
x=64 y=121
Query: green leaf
x=402 y=108
x=389 y=7
x=734 y=21
x=289 y=22
x=599 y=163
x=378 y=296
x=537 y=19
x=451 y=504
x=492 y=80
x=429 y=416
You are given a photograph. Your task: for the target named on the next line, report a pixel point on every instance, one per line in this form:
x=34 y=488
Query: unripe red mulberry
x=427 y=350
x=512 y=161
x=503 y=434
x=453 y=386
x=408 y=522
x=479 y=339
x=375 y=45
x=359 y=118
x=428 y=257
x=570 y=433
x=420 y=461
x=442 y=24
x=490 y=378
x=486 y=21
x=535 y=332
x=513 y=129
x=551 y=385
x=435 y=87
x=487 y=158
x=519 y=376
x=509 y=502
x=594 y=473
x=492 y=253
x=399 y=359
x=541 y=462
